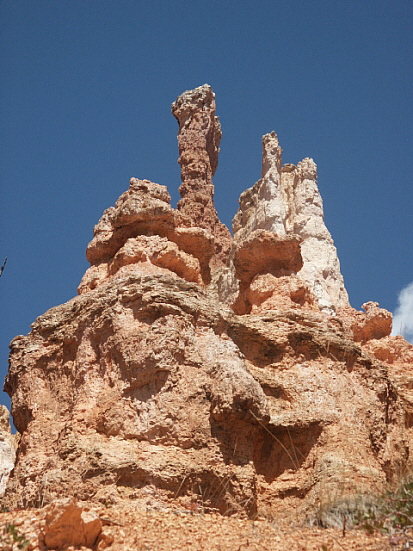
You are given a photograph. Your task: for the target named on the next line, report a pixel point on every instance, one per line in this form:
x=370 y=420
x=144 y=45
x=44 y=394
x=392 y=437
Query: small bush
x=345 y=512
x=12 y=540
x=393 y=512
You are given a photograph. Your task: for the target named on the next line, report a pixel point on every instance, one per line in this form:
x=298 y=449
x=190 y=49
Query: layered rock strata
x=175 y=381
x=143 y=229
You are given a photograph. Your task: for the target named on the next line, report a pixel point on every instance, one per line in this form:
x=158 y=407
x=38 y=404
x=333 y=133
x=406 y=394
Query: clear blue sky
x=86 y=88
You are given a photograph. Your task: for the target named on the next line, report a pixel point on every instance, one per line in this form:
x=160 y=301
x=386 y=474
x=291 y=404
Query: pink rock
x=198 y=141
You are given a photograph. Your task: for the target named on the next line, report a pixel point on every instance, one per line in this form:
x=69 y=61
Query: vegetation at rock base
x=12 y=540
x=392 y=513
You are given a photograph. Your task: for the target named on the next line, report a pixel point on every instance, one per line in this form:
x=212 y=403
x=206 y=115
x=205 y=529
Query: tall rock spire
x=263 y=206
x=198 y=141
x=286 y=202
x=321 y=268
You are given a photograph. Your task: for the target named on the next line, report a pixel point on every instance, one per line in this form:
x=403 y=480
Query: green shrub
x=12 y=540
x=393 y=512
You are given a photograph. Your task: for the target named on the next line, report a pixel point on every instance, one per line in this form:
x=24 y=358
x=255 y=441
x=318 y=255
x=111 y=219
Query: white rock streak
x=7 y=449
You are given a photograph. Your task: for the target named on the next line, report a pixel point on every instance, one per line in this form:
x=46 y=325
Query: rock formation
x=286 y=202
x=198 y=141
x=7 y=448
x=199 y=371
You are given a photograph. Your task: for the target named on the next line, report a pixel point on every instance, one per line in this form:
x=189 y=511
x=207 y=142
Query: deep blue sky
x=86 y=88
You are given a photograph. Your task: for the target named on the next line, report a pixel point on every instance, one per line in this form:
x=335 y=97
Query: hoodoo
x=199 y=370
x=198 y=141
x=286 y=202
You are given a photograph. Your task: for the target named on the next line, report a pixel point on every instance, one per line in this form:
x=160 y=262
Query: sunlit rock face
x=286 y=202
x=199 y=137
x=199 y=370
x=8 y=444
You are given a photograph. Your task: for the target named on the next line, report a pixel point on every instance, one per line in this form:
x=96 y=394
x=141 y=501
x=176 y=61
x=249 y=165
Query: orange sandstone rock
x=198 y=372
x=374 y=324
x=67 y=524
x=198 y=141
x=142 y=230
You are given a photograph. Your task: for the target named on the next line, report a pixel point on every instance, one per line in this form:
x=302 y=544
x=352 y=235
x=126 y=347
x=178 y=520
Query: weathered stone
x=263 y=252
x=286 y=201
x=173 y=380
x=144 y=208
x=147 y=379
x=268 y=292
x=375 y=323
x=198 y=141
x=8 y=444
x=144 y=231
x=68 y=524
x=264 y=206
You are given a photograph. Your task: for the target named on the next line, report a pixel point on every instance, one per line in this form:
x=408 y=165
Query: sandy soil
x=125 y=529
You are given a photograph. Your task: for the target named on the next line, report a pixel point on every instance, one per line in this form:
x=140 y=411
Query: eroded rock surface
x=143 y=229
x=198 y=141
x=8 y=444
x=175 y=380
x=286 y=202
x=69 y=525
